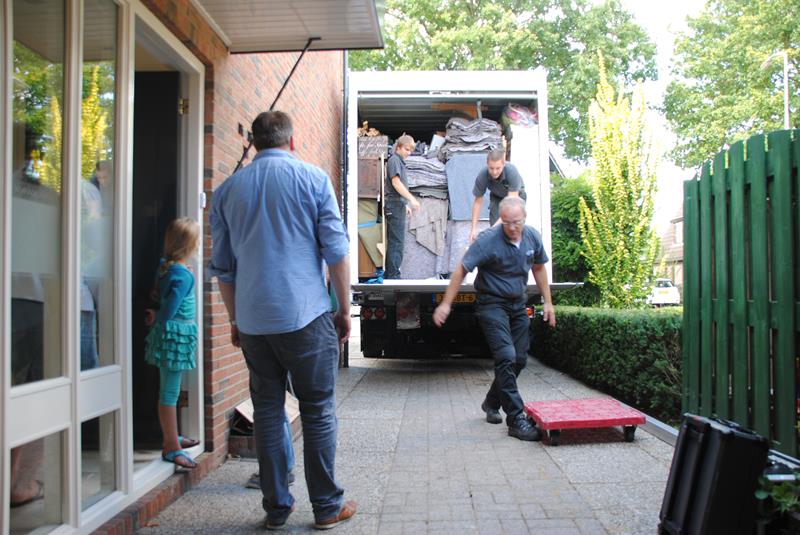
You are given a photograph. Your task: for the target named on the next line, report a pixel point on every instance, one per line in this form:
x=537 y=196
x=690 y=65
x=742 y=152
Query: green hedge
x=633 y=355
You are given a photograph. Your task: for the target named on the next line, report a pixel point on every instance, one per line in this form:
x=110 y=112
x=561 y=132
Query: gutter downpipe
x=344 y=359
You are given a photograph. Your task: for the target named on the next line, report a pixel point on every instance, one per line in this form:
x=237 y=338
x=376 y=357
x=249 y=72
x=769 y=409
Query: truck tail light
x=366 y=313
x=529 y=310
x=380 y=313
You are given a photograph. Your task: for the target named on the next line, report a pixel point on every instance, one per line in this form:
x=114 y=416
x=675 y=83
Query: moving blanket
x=369 y=230
x=457 y=244
x=418 y=262
x=429 y=223
x=461 y=172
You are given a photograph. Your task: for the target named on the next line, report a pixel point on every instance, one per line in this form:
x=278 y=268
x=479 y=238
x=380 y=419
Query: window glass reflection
x=97 y=182
x=36 y=485
x=36 y=204
x=98 y=474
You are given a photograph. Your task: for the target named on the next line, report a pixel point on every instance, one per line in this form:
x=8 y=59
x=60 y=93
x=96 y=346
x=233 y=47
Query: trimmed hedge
x=633 y=355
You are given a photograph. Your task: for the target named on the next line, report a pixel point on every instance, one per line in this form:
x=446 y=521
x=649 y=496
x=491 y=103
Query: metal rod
x=272 y=106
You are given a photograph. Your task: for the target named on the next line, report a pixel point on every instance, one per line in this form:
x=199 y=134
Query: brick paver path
x=416 y=454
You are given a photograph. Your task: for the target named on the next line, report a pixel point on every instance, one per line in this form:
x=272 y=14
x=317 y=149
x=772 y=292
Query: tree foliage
x=620 y=244
x=562 y=35
x=38 y=86
x=569 y=263
x=726 y=87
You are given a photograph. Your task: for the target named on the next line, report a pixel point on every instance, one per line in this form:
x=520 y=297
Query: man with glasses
x=502 y=180
x=503 y=255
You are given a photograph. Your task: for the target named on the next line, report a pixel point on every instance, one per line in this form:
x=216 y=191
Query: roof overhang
x=247 y=26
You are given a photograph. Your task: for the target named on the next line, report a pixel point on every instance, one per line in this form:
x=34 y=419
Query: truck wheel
x=555 y=437
x=629 y=431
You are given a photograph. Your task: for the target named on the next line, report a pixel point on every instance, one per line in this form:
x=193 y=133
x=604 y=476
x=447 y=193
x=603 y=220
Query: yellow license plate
x=460 y=298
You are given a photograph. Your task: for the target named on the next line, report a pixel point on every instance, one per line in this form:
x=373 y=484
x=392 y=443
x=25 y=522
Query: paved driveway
x=416 y=454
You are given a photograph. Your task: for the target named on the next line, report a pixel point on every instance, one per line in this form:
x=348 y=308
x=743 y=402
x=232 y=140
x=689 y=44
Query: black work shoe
x=523 y=429
x=492 y=415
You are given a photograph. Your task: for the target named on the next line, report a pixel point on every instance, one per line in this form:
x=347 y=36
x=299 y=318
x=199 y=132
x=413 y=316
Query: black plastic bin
x=713 y=478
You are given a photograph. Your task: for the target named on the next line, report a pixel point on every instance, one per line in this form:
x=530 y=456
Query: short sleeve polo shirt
x=502 y=266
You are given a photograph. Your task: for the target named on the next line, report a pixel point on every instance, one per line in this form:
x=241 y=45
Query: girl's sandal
x=186 y=442
x=174 y=456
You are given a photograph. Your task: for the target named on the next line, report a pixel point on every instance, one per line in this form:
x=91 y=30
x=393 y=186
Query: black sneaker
x=523 y=429
x=492 y=415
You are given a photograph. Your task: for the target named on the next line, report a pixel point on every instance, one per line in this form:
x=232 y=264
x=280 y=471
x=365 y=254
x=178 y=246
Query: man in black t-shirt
x=398 y=203
x=502 y=180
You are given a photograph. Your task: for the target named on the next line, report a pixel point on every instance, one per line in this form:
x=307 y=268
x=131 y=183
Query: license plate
x=460 y=298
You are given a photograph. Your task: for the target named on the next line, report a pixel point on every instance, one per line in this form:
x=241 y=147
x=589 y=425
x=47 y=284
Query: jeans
x=505 y=325
x=89 y=359
x=288 y=447
x=311 y=355
x=27 y=341
x=395 y=212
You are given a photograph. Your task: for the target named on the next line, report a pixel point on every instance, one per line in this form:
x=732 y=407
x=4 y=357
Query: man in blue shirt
x=274 y=225
x=503 y=255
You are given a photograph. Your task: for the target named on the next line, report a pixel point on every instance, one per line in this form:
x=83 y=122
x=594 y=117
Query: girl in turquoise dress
x=172 y=341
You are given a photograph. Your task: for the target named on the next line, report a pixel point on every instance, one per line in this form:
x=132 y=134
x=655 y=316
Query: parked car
x=664 y=293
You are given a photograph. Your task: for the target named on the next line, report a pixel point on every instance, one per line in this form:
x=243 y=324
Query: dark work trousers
x=311 y=355
x=395 y=213
x=505 y=325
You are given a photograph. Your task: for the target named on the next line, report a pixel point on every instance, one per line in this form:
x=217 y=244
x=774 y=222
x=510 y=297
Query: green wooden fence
x=741 y=320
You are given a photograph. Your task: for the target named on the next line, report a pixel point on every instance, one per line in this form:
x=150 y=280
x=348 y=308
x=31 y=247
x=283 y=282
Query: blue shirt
x=272 y=225
x=503 y=266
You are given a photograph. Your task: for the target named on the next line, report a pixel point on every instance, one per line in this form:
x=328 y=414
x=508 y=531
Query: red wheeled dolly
x=555 y=415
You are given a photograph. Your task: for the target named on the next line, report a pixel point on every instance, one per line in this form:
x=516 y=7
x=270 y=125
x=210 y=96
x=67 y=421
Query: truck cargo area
x=396 y=314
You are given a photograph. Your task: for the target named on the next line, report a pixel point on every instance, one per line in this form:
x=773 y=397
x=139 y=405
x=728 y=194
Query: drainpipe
x=343 y=163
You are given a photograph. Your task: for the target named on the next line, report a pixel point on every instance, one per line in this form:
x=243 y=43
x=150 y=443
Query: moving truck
x=396 y=315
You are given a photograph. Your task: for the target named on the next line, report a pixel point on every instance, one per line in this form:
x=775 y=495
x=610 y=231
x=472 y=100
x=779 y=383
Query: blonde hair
x=404 y=141
x=180 y=241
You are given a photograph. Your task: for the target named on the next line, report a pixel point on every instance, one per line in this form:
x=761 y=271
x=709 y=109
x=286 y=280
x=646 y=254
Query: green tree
x=94 y=124
x=620 y=244
x=569 y=263
x=562 y=35
x=724 y=91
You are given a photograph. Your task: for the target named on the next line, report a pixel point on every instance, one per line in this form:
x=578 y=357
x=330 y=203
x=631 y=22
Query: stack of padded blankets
x=438 y=234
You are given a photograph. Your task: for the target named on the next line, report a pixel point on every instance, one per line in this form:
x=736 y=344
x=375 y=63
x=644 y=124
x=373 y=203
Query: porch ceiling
x=284 y=25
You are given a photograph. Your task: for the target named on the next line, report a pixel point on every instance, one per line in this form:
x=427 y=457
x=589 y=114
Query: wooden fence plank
x=706 y=294
x=720 y=259
x=779 y=163
x=759 y=287
x=691 y=297
x=738 y=263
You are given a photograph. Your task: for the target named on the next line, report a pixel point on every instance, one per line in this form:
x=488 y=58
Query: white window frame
x=83 y=396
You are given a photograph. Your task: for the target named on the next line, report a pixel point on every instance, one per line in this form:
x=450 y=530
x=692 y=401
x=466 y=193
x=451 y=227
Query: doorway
x=155 y=196
x=166 y=181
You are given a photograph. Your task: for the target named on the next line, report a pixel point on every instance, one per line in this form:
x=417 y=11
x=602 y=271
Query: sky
x=663 y=21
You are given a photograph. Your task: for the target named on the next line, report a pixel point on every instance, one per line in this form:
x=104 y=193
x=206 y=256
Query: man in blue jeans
x=274 y=226
x=503 y=255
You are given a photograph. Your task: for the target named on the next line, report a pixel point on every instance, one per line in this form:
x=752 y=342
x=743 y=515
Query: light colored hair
x=180 y=241
x=513 y=202
x=496 y=155
x=404 y=141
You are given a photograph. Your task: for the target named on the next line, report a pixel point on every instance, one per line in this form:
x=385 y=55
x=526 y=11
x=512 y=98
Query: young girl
x=172 y=341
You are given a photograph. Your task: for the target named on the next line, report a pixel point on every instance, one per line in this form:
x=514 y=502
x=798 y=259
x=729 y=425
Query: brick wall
x=237 y=88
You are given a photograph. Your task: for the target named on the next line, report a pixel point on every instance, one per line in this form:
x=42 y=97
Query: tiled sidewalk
x=416 y=454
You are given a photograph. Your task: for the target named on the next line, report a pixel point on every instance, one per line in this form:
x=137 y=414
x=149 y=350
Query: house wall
x=237 y=88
